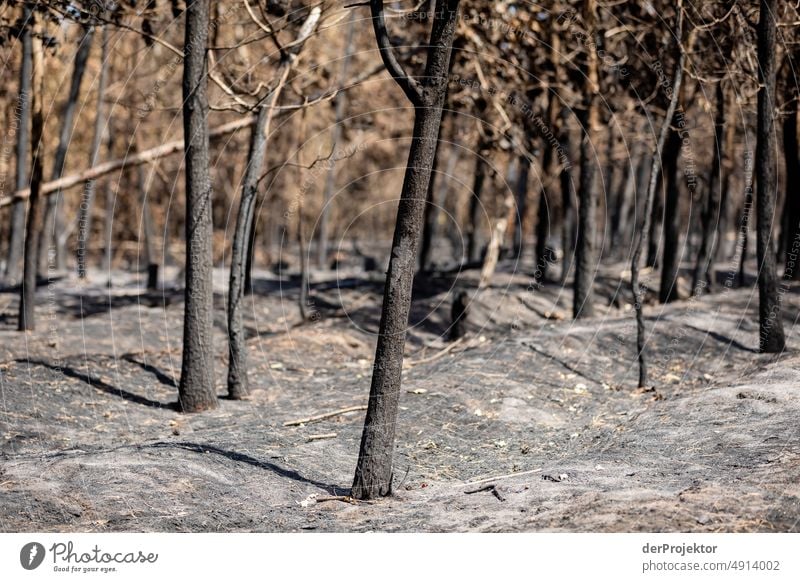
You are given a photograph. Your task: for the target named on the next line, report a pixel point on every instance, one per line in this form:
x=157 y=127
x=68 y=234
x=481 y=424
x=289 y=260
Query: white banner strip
x=417 y=557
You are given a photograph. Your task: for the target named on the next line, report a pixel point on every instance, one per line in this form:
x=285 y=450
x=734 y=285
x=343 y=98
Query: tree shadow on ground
x=242 y=458
x=160 y=376
x=95 y=382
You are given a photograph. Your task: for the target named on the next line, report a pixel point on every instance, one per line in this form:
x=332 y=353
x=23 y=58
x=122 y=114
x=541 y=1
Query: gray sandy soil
x=532 y=423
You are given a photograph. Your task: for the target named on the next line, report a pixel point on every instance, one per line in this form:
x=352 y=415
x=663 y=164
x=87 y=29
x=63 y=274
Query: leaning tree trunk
x=711 y=216
x=87 y=203
x=244 y=233
x=53 y=219
x=373 y=475
x=670 y=260
x=792 y=203
x=340 y=102
x=655 y=171
x=17 y=227
x=585 y=251
x=771 y=335
x=27 y=297
x=237 y=348
x=196 y=391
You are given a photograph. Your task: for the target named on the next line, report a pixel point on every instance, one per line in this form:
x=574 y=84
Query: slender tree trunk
x=655 y=171
x=568 y=195
x=53 y=218
x=792 y=203
x=197 y=386
x=27 y=298
x=340 y=102
x=712 y=215
x=656 y=226
x=373 y=475
x=543 y=255
x=620 y=220
x=238 y=385
x=771 y=335
x=725 y=214
x=521 y=179
x=476 y=207
x=431 y=219
x=108 y=217
x=87 y=204
x=301 y=247
x=585 y=252
x=17 y=227
x=670 y=260
x=148 y=231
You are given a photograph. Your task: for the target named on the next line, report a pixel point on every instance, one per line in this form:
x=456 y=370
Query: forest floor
x=540 y=407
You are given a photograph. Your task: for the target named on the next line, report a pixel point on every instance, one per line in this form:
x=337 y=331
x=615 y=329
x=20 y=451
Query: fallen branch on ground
x=318 y=417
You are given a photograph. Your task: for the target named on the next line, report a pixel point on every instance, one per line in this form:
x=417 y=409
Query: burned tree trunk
x=711 y=214
x=670 y=260
x=771 y=334
x=585 y=251
x=340 y=101
x=431 y=209
x=17 y=227
x=655 y=170
x=237 y=349
x=792 y=204
x=521 y=179
x=53 y=230
x=373 y=475
x=87 y=203
x=197 y=390
x=27 y=297
x=476 y=208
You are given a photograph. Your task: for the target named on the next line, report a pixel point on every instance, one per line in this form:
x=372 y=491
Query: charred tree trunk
x=792 y=204
x=670 y=260
x=431 y=209
x=771 y=335
x=711 y=216
x=238 y=386
x=543 y=255
x=340 y=101
x=373 y=475
x=521 y=179
x=17 y=226
x=197 y=390
x=655 y=171
x=53 y=229
x=585 y=251
x=87 y=204
x=476 y=208
x=621 y=218
x=27 y=297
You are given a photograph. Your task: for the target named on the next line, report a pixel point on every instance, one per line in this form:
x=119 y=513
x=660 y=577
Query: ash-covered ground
x=531 y=423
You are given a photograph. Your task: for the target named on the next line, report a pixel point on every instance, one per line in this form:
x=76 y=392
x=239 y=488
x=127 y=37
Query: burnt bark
x=712 y=209
x=589 y=115
x=27 y=296
x=53 y=231
x=792 y=203
x=373 y=475
x=196 y=390
x=771 y=336
x=238 y=385
x=639 y=241
x=17 y=226
x=476 y=208
x=87 y=203
x=670 y=259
